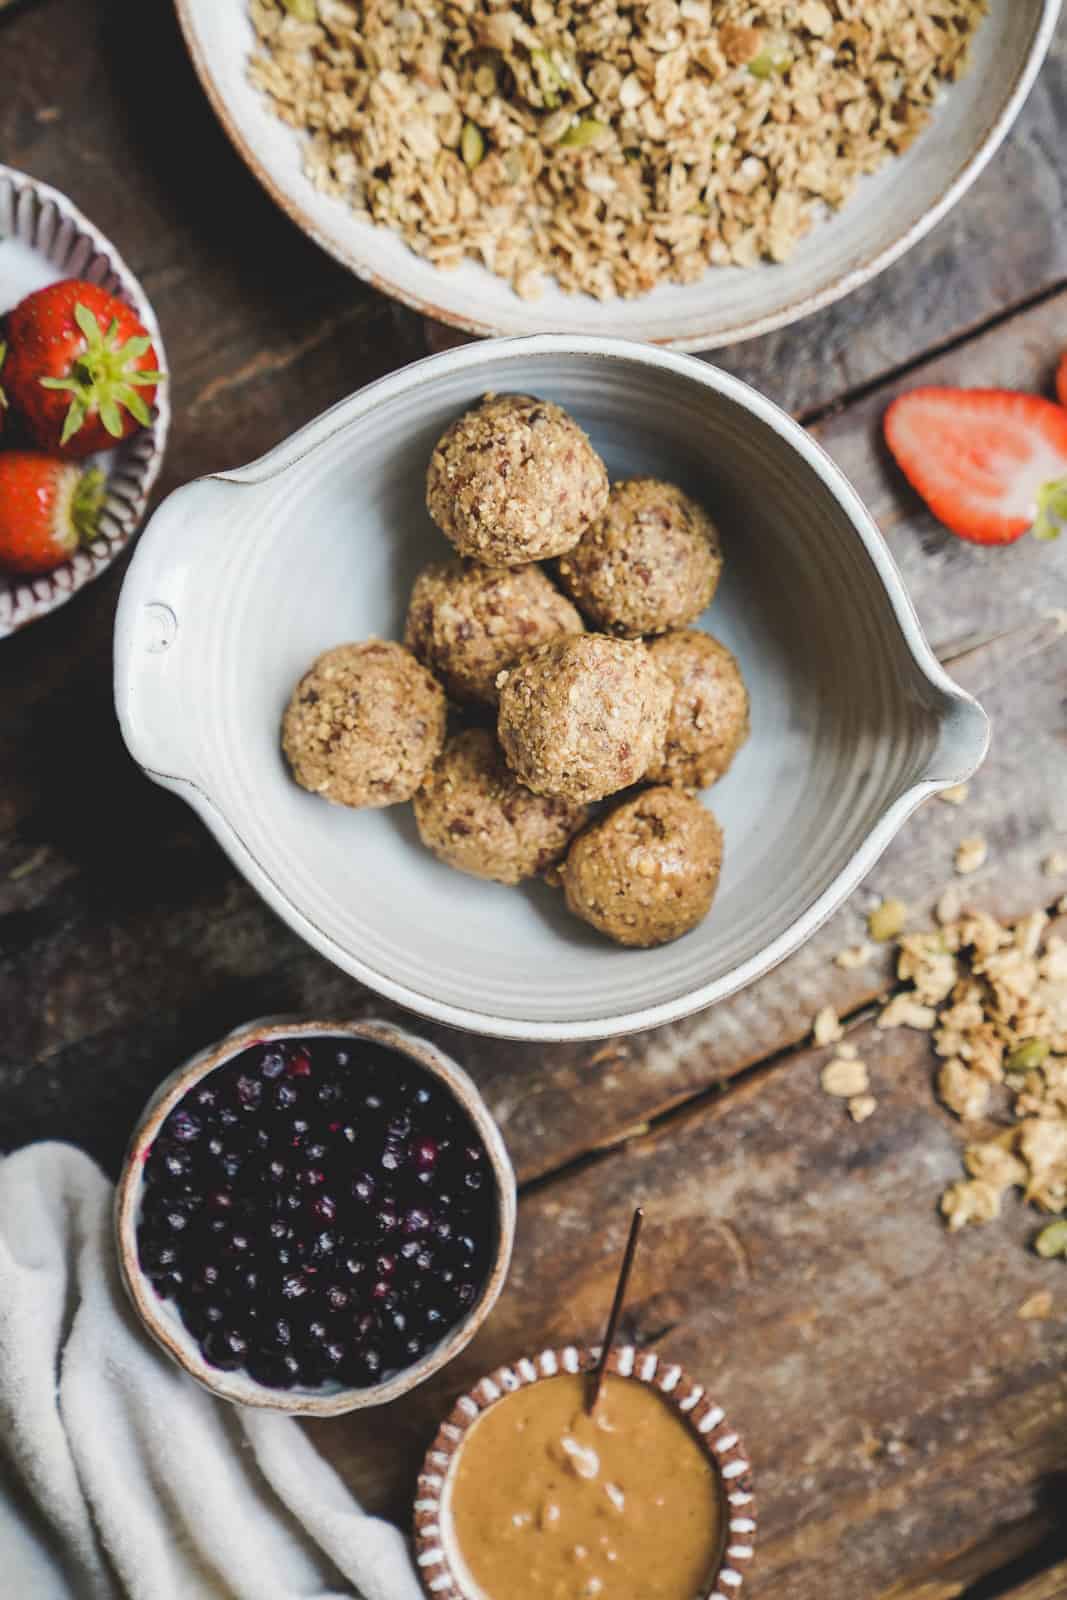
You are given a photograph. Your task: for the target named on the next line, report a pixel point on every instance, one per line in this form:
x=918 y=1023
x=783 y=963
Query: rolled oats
x=826 y=1029
x=622 y=144
x=971 y=853
x=845 y=1079
x=1000 y=1025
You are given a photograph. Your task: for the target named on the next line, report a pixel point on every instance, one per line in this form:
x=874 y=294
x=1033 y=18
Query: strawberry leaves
x=1051 y=510
x=104 y=378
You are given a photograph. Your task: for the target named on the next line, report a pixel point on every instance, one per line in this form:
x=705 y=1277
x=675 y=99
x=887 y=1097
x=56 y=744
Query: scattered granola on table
x=610 y=144
x=997 y=1001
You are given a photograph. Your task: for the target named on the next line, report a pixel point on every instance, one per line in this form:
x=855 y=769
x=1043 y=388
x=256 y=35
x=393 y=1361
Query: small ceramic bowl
x=43 y=238
x=241 y=580
x=439 y=1563
x=892 y=210
x=161 y=1318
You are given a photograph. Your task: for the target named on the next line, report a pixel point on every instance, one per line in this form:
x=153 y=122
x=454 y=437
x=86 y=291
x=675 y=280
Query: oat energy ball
x=648 y=871
x=365 y=725
x=582 y=718
x=515 y=480
x=709 y=714
x=650 y=563
x=467 y=622
x=475 y=815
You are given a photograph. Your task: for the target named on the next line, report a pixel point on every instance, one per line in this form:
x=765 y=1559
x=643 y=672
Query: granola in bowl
x=606 y=144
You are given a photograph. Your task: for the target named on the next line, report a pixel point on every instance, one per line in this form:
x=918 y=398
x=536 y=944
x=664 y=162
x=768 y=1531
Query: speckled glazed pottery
x=891 y=211
x=240 y=580
x=161 y=1318
x=438 y=1558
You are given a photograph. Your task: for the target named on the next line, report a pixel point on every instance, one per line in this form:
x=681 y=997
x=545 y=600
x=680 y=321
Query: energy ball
x=709 y=715
x=365 y=725
x=648 y=871
x=515 y=480
x=650 y=563
x=475 y=815
x=582 y=718
x=467 y=622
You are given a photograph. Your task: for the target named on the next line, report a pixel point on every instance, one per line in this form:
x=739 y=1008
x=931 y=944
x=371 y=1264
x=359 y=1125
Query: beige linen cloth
x=119 y=1476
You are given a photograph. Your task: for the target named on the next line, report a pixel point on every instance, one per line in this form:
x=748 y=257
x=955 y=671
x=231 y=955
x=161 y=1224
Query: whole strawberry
x=48 y=508
x=81 y=370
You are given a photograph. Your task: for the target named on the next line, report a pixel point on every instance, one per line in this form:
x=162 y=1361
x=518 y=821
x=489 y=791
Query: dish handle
x=155 y=626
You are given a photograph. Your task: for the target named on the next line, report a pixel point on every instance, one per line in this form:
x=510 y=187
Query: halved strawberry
x=81 y=369
x=990 y=463
x=47 y=509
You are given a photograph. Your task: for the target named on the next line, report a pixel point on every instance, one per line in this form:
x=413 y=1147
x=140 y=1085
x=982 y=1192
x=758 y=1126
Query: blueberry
x=324 y=1206
x=424 y=1153
x=416 y=1221
x=338 y=1298
x=183 y=1126
x=272 y=1064
x=363 y=1188
x=285 y=1096
x=249 y=1092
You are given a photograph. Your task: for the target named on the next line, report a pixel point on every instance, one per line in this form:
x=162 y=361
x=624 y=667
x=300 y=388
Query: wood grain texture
x=909 y=1429
x=897 y=1407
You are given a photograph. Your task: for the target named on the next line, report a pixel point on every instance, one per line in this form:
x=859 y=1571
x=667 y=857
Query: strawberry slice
x=990 y=463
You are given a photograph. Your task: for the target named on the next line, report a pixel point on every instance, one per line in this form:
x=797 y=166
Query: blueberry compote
x=319 y=1211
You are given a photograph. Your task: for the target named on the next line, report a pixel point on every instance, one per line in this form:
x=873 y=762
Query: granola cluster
x=995 y=1000
x=610 y=144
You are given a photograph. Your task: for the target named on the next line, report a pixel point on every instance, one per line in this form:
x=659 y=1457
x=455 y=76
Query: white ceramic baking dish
x=241 y=579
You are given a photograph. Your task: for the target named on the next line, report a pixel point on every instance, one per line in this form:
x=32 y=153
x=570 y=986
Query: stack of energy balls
x=594 y=689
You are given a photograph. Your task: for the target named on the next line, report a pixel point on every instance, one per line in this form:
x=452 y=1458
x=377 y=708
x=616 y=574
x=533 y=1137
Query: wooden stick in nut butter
x=616 y=1310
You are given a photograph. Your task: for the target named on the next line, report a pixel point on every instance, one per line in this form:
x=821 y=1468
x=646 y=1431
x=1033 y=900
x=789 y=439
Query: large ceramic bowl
x=43 y=237
x=890 y=213
x=240 y=580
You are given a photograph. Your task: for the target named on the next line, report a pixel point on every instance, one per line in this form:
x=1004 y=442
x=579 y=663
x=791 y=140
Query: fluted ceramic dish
x=160 y=1317
x=240 y=580
x=890 y=212
x=438 y=1557
x=43 y=237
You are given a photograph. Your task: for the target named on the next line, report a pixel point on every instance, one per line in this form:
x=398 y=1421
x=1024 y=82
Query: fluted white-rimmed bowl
x=240 y=580
x=43 y=238
x=892 y=210
x=438 y=1557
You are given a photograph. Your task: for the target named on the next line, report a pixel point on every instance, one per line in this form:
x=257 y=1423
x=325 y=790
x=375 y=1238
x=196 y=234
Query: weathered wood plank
x=897 y=1408
x=1051 y=1585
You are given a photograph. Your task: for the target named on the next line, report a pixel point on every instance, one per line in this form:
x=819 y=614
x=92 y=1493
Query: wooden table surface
x=908 y=1428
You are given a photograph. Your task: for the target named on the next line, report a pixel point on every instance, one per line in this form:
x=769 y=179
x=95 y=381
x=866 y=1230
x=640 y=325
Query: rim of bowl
x=168 y=1331
x=490 y=356
x=32 y=598
x=707 y=1420
x=689 y=338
